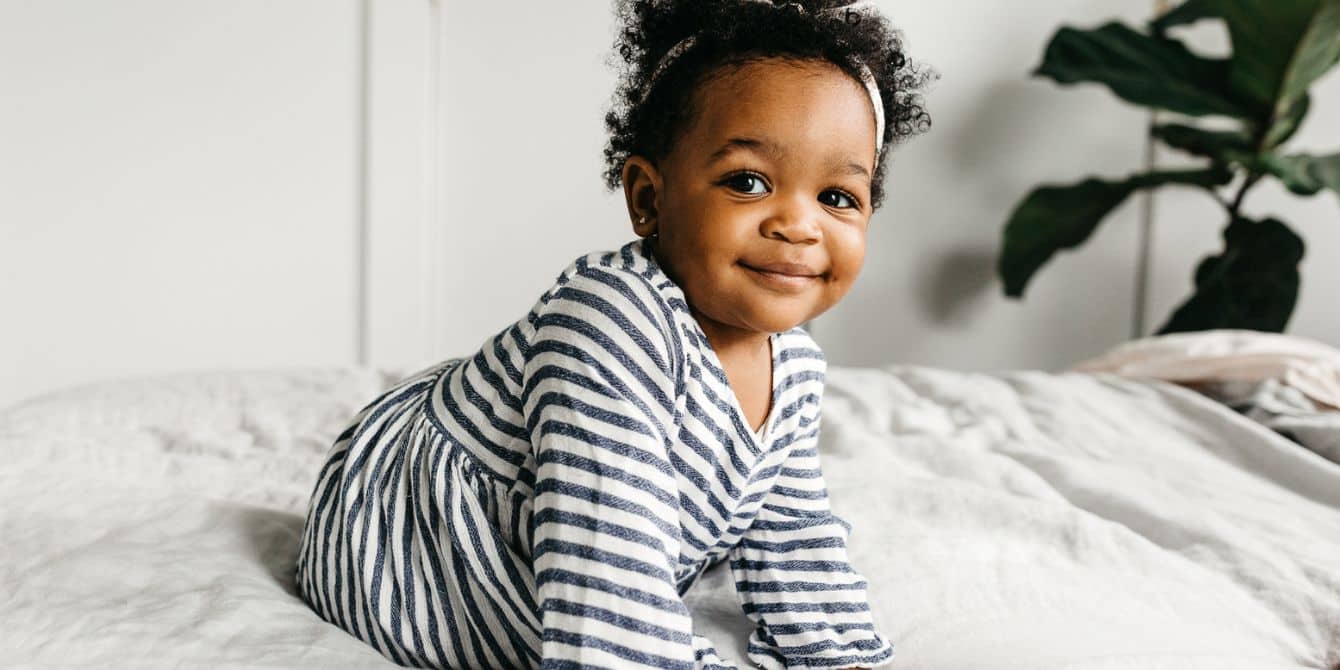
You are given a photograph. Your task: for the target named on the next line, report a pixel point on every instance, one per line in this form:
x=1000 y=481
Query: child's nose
x=796 y=220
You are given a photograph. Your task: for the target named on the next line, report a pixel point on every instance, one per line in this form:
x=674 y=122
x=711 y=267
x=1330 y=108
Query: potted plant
x=1279 y=48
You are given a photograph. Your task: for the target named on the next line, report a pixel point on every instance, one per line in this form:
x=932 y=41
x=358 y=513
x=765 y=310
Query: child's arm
x=794 y=580
x=599 y=391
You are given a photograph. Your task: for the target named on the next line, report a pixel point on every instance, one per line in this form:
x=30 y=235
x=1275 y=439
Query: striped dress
x=548 y=501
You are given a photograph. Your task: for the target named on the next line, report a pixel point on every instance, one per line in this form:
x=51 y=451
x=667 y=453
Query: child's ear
x=641 y=188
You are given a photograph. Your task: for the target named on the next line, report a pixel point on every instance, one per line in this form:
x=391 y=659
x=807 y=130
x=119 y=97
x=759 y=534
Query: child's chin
x=780 y=323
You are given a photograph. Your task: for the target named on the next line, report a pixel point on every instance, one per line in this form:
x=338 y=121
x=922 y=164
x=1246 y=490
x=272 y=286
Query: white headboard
x=200 y=185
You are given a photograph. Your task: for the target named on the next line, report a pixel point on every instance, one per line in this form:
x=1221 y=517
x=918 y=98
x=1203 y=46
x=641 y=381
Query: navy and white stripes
x=548 y=501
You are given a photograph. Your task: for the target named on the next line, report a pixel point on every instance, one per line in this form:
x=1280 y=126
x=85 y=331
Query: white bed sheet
x=1012 y=520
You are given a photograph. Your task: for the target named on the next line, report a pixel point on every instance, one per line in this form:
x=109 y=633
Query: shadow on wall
x=953 y=287
x=1004 y=129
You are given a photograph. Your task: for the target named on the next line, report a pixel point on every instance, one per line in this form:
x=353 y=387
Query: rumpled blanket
x=1018 y=520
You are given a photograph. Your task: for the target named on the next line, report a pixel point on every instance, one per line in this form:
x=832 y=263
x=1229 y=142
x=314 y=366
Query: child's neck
x=746 y=358
x=734 y=343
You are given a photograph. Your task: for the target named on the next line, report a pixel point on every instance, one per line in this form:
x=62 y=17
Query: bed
x=1021 y=519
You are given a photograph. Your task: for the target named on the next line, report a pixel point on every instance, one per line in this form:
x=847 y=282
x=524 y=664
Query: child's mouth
x=783 y=276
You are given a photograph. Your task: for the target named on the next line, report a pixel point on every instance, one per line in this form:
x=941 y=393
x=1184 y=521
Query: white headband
x=848 y=10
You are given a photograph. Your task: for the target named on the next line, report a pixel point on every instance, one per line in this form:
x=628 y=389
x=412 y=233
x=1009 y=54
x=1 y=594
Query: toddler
x=548 y=501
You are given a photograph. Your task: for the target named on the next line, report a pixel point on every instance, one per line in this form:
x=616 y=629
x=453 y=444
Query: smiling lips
x=788 y=275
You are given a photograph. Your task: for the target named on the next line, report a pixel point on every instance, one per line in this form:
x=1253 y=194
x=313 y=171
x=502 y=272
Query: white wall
x=527 y=89
x=192 y=185
x=179 y=187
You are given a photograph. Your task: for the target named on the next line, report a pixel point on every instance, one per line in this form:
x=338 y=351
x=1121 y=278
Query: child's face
x=765 y=176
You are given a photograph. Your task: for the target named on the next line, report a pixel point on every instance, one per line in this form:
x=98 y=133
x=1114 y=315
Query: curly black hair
x=734 y=32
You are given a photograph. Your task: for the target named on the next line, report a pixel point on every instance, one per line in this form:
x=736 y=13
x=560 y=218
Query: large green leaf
x=1216 y=144
x=1306 y=174
x=1279 y=46
x=1318 y=51
x=1055 y=217
x=1190 y=11
x=1252 y=284
x=1285 y=126
x=1147 y=70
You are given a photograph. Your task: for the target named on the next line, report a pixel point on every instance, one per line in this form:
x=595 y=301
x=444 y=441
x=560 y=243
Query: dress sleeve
x=600 y=383
x=793 y=578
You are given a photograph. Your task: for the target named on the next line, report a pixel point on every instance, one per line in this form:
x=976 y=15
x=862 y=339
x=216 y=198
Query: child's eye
x=840 y=196
x=745 y=180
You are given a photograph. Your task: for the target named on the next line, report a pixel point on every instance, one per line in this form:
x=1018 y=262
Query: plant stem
x=1146 y=236
x=1247 y=183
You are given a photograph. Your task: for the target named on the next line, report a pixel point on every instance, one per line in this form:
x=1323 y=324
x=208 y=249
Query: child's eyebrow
x=774 y=151
x=745 y=143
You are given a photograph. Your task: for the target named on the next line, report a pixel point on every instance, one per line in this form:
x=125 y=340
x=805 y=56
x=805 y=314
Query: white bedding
x=1014 y=520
